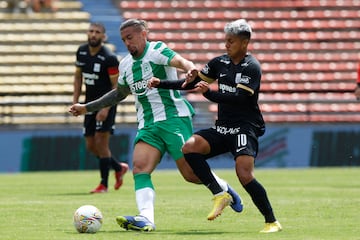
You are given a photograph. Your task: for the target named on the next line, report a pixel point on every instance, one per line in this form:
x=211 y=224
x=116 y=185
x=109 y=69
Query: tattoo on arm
x=109 y=99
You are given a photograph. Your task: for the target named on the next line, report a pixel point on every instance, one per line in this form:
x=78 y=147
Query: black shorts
x=91 y=125
x=238 y=141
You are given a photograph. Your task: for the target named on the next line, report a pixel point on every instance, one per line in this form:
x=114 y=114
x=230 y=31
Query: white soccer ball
x=88 y=219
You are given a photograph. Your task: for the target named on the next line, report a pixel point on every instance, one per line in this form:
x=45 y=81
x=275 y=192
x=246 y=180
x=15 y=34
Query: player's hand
x=153 y=82
x=102 y=114
x=202 y=87
x=77 y=109
x=190 y=76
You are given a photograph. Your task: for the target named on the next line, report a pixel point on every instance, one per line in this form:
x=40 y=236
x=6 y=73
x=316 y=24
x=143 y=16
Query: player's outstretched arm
x=109 y=99
x=77 y=109
x=172 y=84
x=228 y=98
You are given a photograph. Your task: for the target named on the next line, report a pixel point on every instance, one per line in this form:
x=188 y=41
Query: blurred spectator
x=30 y=6
x=357 y=90
x=39 y=5
x=18 y=6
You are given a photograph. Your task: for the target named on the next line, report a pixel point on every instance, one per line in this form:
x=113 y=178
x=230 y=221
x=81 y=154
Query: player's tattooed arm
x=109 y=99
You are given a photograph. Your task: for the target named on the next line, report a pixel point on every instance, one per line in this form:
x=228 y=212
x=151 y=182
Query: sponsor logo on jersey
x=139 y=87
x=227 y=130
x=226 y=88
x=90 y=78
x=83 y=53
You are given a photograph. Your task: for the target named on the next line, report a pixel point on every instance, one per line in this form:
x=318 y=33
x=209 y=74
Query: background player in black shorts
x=239 y=122
x=97 y=66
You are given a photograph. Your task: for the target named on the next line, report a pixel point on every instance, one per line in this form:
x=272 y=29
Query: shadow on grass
x=157 y=232
x=197 y=232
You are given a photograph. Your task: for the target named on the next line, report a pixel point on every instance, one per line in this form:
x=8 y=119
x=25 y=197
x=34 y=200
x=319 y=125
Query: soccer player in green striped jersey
x=164 y=117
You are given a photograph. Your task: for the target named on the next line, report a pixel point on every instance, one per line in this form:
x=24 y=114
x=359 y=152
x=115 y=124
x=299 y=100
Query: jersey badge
x=97 y=67
x=239 y=78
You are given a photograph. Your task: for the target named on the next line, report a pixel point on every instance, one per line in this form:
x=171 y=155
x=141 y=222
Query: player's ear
x=245 y=42
x=105 y=37
x=144 y=33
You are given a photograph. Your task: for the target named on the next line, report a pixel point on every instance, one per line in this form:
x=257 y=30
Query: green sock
x=143 y=180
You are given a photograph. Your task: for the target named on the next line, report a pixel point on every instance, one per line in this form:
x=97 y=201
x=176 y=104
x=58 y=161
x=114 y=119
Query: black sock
x=115 y=165
x=260 y=199
x=202 y=170
x=104 y=164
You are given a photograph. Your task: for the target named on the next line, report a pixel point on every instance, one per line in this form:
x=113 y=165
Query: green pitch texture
x=311 y=204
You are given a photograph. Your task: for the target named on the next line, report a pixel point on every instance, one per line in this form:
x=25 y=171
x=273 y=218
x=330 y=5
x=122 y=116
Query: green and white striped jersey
x=154 y=104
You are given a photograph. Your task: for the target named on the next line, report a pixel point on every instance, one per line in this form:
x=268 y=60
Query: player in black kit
x=239 y=121
x=98 y=67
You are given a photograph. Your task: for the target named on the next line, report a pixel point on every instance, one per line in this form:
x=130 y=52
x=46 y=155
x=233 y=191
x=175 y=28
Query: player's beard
x=94 y=42
x=134 y=52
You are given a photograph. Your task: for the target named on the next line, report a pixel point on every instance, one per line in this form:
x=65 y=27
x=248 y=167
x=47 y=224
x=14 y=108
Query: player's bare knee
x=244 y=176
x=186 y=148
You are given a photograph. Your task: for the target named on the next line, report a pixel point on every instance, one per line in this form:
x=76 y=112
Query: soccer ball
x=88 y=219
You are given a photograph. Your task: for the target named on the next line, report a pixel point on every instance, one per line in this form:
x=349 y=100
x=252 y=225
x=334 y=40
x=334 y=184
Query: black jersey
x=238 y=90
x=96 y=70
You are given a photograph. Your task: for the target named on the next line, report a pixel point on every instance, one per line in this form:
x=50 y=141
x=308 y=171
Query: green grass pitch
x=311 y=204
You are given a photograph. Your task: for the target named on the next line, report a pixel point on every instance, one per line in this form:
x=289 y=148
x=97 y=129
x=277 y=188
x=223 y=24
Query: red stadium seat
x=309 y=50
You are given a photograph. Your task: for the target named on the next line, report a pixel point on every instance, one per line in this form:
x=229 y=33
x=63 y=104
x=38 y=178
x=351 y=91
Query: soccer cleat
x=137 y=223
x=120 y=174
x=272 y=227
x=99 y=189
x=220 y=202
x=236 y=203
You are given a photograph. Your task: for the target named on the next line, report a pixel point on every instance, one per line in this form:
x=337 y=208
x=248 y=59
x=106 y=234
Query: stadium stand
x=36 y=71
x=106 y=12
x=309 y=52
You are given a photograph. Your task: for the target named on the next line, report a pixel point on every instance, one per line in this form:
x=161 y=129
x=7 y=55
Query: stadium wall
x=282 y=146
